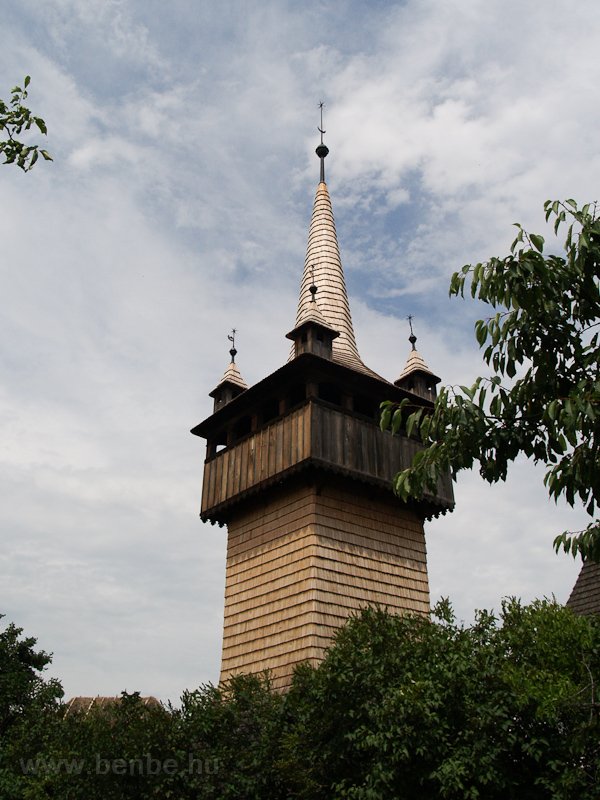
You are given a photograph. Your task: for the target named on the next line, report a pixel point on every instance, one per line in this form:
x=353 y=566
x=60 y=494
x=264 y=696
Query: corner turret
x=231 y=384
x=416 y=377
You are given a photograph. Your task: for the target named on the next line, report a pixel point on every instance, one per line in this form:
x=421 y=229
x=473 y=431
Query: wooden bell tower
x=299 y=471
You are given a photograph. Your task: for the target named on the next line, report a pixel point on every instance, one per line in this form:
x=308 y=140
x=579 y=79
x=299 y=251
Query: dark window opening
x=270 y=410
x=319 y=336
x=242 y=428
x=366 y=406
x=297 y=395
x=330 y=393
x=304 y=337
x=218 y=443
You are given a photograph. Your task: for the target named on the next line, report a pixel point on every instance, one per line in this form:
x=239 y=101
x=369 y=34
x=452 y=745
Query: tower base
x=302 y=559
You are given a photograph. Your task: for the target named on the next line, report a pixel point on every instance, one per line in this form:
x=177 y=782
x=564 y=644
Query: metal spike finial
x=313 y=287
x=233 y=351
x=321 y=129
x=322 y=149
x=412 y=338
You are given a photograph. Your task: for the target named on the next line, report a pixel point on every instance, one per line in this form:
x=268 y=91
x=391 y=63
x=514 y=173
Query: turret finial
x=313 y=287
x=233 y=351
x=322 y=149
x=412 y=338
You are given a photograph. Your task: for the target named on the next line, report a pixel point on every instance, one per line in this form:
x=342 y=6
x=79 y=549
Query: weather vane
x=320 y=129
x=231 y=337
x=412 y=338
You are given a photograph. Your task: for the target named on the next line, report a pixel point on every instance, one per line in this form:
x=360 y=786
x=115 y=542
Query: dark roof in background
x=585 y=597
x=83 y=705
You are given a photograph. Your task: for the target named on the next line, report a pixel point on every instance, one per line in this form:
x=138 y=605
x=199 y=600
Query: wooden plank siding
x=315 y=433
x=299 y=563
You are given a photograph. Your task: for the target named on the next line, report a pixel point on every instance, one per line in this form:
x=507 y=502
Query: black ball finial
x=322 y=150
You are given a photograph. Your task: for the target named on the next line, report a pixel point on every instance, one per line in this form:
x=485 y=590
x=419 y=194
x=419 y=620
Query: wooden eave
x=220 y=386
x=430 y=506
x=315 y=323
x=418 y=371
x=306 y=366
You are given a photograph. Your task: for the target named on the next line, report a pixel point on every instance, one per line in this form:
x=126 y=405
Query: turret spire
x=416 y=375
x=323 y=269
x=232 y=383
x=232 y=374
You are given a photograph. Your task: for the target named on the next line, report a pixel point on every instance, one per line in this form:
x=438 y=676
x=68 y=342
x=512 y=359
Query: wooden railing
x=317 y=433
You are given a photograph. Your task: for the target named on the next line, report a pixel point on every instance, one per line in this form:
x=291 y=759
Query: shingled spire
x=231 y=384
x=323 y=267
x=416 y=376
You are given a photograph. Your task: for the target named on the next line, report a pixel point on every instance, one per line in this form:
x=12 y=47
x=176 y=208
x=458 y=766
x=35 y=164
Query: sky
x=177 y=207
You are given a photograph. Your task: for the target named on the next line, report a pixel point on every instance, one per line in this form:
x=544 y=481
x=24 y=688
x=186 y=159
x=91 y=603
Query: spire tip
x=322 y=149
x=233 y=351
x=412 y=338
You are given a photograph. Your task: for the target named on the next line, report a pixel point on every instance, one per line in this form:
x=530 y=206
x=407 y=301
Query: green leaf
x=481 y=332
x=537 y=241
x=412 y=422
x=384 y=422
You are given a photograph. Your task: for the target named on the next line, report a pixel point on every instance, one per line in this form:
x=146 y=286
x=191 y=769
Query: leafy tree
x=15 y=118
x=123 y=750
x=235 y=731
x=223 y=742
x=21 y=682
x=411 y=707
x=543 y=398
x=117 y=751
x=406 y=707
x=29 y=704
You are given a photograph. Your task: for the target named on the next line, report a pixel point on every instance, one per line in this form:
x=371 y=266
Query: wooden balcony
x=315 y=435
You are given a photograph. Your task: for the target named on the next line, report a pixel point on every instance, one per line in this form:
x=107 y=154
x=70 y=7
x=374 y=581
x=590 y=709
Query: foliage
x=410 y=707
x=222 y=743
x=236 y=731
x=21 y=683
x=28 y=702
x=15 y=118
x=543 y=399
x=407 y=707
x=113 y=752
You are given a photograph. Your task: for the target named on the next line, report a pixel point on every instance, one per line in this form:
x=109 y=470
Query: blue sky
x=177 y=207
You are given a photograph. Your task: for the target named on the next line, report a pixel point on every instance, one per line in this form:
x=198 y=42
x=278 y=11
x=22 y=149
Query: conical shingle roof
x=415 y=363
x=585 y=597
x=233 y=375
x=323 y=267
